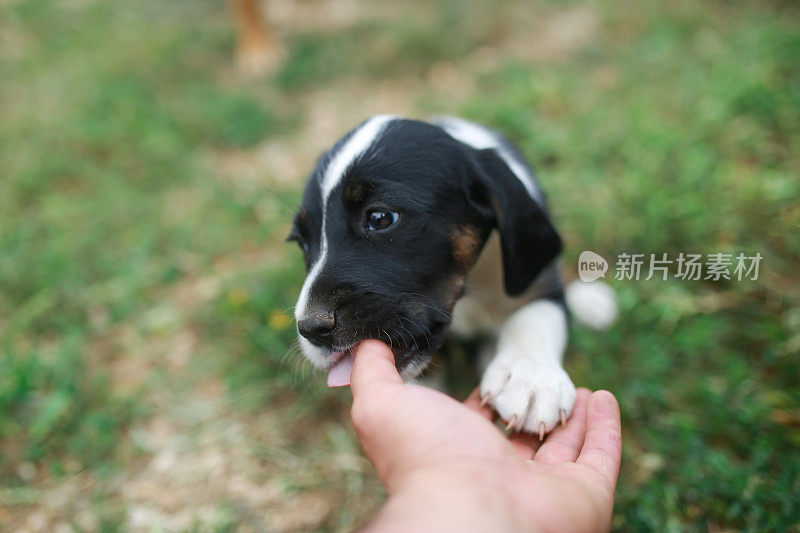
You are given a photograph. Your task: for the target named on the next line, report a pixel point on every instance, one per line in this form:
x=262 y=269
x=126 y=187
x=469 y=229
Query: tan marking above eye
x=354 y=191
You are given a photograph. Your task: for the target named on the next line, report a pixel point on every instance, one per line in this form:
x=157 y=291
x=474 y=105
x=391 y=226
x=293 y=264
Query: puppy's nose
x=317 y=327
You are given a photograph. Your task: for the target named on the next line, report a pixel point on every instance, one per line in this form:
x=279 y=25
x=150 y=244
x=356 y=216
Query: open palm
x=432 y=451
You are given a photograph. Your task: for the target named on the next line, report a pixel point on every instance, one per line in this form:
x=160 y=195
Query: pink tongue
x=339 y=375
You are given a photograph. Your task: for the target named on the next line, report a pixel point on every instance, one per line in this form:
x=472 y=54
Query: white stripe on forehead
x=358 y=143
x=481 y=138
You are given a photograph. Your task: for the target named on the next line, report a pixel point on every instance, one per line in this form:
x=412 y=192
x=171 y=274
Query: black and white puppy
x=397 y=224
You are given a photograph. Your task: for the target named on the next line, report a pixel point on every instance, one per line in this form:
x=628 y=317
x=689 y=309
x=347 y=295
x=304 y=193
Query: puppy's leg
x=257 y=50
x=525 y=381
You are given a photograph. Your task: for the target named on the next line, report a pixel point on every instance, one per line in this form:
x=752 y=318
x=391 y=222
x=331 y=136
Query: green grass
x=673 y=127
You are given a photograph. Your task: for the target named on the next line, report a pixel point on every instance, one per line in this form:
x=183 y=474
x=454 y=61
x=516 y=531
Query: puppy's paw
x=530 y=395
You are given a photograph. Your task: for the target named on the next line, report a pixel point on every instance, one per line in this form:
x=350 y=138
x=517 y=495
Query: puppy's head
x=393 y=218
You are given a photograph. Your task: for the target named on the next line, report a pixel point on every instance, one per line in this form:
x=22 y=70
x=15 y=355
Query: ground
x=148 y=376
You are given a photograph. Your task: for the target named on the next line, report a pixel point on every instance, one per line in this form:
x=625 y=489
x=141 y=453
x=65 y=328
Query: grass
x=145 y=190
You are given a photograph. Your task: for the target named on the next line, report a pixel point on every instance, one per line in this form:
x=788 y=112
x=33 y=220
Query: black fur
x=529 y=240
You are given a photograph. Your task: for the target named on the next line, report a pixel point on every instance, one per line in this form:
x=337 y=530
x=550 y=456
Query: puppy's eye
x=379 y=219
x=294 y=236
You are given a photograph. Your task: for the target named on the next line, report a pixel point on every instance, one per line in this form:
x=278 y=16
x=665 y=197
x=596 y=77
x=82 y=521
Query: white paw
x=530 y=395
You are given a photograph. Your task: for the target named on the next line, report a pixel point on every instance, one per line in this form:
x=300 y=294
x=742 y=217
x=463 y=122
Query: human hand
x=447 y=466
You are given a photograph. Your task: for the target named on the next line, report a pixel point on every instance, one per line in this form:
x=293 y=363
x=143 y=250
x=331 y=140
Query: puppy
x=401 y=220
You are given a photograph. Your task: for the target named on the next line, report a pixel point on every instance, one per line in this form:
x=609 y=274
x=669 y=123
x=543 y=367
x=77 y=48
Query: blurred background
x=148 y=379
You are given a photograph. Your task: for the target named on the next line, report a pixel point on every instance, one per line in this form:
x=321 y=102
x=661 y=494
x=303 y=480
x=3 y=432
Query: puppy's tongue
x=339 y=374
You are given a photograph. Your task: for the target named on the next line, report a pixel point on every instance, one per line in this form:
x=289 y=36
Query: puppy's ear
x=529 y=241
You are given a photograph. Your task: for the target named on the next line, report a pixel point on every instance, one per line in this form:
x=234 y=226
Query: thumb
x=373 y=367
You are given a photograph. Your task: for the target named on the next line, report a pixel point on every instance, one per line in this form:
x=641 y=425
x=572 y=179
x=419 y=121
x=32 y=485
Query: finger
x=373 y=369
x=525 y=444
x=602 y=446
x=564 y=443
x=474 y=401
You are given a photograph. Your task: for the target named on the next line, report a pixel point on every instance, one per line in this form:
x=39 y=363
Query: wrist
x=459 y=498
